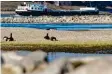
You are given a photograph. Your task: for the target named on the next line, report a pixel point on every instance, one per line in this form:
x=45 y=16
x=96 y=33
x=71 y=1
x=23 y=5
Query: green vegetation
x=88 y=47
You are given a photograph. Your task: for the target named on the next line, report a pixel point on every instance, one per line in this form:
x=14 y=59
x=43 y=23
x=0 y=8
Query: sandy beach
x=37 y=35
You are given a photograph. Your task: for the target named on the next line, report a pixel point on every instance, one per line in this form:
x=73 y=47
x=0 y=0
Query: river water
x=60 y=26
x=55 y=55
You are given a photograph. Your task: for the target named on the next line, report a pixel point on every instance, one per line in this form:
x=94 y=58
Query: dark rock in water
x=34 y=60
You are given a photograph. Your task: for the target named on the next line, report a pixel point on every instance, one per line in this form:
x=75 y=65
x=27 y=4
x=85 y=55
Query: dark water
x=107 y=10
x=55 y=55
x=8 y=15
x=60 y=26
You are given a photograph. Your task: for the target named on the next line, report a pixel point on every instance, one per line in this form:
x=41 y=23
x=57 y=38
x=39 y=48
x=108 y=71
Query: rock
x=56 y=67
x=34 y=60
x=84 y=59
x=12 y=69
x=98 y=66
x=11 y=57
x=11 y=64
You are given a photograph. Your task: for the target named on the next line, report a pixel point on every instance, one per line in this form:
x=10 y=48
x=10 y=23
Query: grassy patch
x=87 y=47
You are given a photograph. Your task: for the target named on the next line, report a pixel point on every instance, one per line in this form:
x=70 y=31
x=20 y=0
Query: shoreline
x=59 y=23
x=13 y=12
x=86 y=19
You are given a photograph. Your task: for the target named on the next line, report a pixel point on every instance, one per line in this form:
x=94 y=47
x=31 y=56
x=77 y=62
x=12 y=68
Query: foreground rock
x=34 y=60
x=95 y=67
x=37 y=63
x=56 y=67
x=60 y=19
x=14 y=68
x=11 y=57
x=24 y=65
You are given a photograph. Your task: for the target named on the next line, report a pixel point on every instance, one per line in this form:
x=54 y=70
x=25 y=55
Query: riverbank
x=68 y=41
x=59 y=19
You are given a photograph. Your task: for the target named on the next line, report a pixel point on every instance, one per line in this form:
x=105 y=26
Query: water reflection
x=55 y=55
